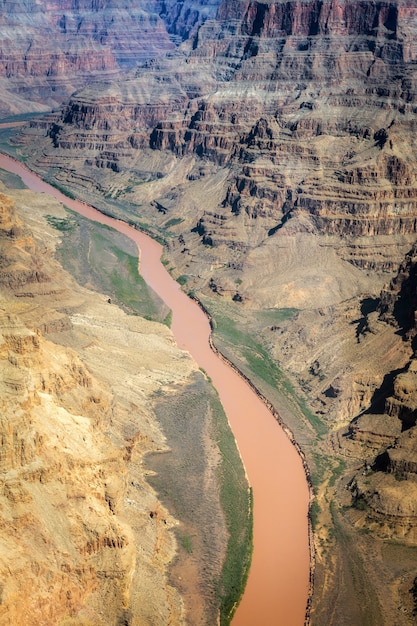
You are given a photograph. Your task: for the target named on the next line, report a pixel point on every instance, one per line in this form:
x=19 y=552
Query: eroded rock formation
x=276 y=148
x=278 y=137
x=305 y=107
x=388 y=489
x=50 y=49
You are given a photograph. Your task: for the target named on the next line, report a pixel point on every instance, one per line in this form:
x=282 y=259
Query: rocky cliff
x=391 y=436
x=275 y=150
x=50 y=49
x=307 y=107
x=84 y=536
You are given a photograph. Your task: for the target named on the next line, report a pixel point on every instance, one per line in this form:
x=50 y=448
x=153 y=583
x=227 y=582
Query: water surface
x=277 y=588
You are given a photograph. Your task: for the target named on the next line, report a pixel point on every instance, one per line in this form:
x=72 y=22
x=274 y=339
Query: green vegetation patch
x=63 y=190
x=182 y=280
x=186 y=543
x=314 y=513
x=237 y=505
x=214 y=510
x=255 y=360
x=270 y=316
x=64 y=224
x=173 y=222
x=6 y=146
x=107 y=261
x=168 y=319
x=326 y=466
x=11 y=180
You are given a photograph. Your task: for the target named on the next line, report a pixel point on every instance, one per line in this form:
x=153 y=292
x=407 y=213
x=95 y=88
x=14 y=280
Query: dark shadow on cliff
x=386 y=390
x=287 y=210
x=368 y=305
x=399 y=304
x=381 y=462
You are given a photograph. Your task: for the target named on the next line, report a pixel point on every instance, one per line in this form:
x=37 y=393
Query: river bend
x=277 y=588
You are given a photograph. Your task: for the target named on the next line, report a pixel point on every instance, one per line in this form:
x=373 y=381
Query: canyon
x=280 y=532
x=50 y=49
x=88 y=395
x=273 y=151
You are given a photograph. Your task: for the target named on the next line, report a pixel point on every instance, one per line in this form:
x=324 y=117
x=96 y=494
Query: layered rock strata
x=389 y=491
x=275 y=148
x=50 y=49
x=278 y=137
x=307 y=109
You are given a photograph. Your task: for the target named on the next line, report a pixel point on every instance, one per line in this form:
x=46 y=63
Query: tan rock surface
x=274 y=139
x=77 y=541
x=278 y=156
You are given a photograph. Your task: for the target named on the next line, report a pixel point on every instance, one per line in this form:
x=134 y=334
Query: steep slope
x=275 y=151
x=50 y=49
x=84 y=538
x=278 y=138
x=306 y=108
x=390 y=492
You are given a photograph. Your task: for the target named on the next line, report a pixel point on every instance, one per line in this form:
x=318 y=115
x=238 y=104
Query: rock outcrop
x=389 y=490
x=275 y=149
x=398 y=302
x=277 y=136
x=306 y=107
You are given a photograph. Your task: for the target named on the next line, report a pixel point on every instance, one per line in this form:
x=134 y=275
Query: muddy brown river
x=277 y=588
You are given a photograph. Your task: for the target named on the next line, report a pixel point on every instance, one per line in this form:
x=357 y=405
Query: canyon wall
x=50 y=49
x=306 y=107
x=274 y=149
x=394 y=457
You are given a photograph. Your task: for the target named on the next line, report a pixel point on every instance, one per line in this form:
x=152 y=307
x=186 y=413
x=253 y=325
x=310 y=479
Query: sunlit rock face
x=276 y=146
x=280 y=135
x=308 y=106
x=70 y=548
x=49 y=49
x=314 y=101
x=385 y=434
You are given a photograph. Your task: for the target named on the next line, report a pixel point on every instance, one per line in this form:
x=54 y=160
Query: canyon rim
x=271 y=146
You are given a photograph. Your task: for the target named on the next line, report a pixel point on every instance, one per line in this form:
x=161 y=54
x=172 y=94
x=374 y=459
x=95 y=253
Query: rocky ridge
x=290 y=101
x=277 y=137
x=390 y=489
